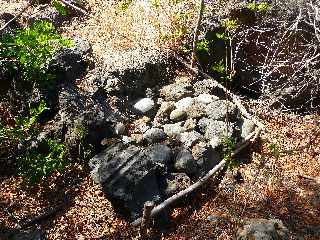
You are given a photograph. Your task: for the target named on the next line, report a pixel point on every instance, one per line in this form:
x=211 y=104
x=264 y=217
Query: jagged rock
x=197 y=110
x=131 y=72
x=81 y=116
x=189 y=138
x=207 y=86
x=218 y=110
x=68 y=64
x=184 y=103
x=144 y=105
x=219 y=129
x=161 y=154
x=263 y=229
x=178 y=114
x=213 y=129
x=205 y=156
x=154 y=135
x=184 y=162
x=173 y=129
x=246 y=127
x=190 y=124
x=128 y=176
x=176 y=91
x=174 y=183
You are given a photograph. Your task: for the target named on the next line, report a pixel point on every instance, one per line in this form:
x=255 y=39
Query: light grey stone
x=189 y=138
x=144 y=105
x=247 y=127
x=173 y=129
x=220 y=109
x=206 y=98
x=178 y=114
x=184 y=103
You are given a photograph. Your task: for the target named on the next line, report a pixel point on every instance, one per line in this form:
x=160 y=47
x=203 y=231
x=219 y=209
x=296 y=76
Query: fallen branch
x=165 y=204
x=315 y=179
x=234 y=97
x=18 y=15
x=69 y=4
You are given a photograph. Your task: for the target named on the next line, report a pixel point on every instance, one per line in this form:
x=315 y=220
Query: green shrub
x=32 y=49
x=34 y=166
x=259 y=7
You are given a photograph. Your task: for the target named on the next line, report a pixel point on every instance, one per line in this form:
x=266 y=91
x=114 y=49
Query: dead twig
x=165 y=204
x=69 y=4
x=196 y=34
x=148 y=206
x=18 y=15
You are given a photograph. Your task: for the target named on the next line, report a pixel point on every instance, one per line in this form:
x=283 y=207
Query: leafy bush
x=31 y=50
x=35 y=166
x=32 y=164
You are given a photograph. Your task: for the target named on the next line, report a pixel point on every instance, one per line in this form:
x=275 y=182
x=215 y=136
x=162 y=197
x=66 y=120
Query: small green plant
x=229 y=145
x=259 y=7
x=85 y=149
x=34 y=166
x=155 y=3
x=125 y=4
x=219 y=67
x=203 y=45
x=60 y=8
x=230 y=25
x=274 y=149
x=31 y=49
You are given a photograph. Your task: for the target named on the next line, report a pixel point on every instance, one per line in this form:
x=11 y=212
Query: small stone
x=177 y=115
x=126 y=139
x=204 y=86
x=173 y=129
x=154 y=135
x=247 y=127
x=190 y=124
x=185 y=162
x=215 y=142
x=120 y=128
x=206 y=98
x=263 y=229
x=213 y=218
x=176 y=91
x=189 y=138
x=165 y=109
x=198 y=150
x=184 y=103
x=144 y=105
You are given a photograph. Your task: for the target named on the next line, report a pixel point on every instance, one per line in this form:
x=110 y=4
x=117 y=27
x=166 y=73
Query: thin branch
x=196 y=33
x=69 y=4
x=18 y=15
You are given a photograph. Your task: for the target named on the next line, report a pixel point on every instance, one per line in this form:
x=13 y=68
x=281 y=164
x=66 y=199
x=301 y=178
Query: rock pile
x=177 y=138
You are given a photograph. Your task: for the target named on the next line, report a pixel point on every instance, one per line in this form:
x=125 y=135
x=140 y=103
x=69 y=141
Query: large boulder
x=129 y=176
